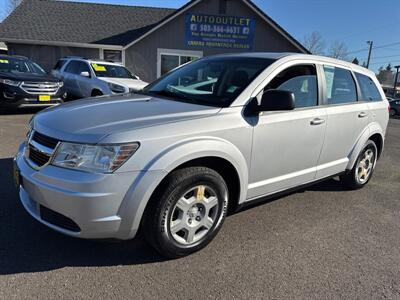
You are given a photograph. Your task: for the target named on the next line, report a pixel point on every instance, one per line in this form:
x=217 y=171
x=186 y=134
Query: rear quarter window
x=369 y=91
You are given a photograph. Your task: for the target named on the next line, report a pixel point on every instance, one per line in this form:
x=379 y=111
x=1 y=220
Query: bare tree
x=314 y=43
x=9 y=7
x=338 y=50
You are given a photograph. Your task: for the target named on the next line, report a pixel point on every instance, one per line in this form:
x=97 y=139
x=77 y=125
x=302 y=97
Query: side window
x=72 y=67
x=340 y=85
x=59 y=64
x=302 y=81
x=82 y=67
x=369 y=91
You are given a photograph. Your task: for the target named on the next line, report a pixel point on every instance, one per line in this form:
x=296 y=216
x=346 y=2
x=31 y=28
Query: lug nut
x=190 y=221
x=198 y=219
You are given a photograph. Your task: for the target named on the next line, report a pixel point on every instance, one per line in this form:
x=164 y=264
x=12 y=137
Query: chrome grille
x=40 y=88
x=40 y=149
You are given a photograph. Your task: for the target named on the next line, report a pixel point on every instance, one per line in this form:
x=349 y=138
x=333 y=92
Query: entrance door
x=168 y=59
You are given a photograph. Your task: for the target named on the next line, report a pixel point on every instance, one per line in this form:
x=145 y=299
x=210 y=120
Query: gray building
x=149 y=41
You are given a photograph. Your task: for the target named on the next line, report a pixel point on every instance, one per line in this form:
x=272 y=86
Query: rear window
x=340 y=85
x=369 y=91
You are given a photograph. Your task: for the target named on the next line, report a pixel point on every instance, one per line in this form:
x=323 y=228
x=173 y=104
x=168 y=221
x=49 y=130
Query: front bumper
x=100 y=205
x=16 y=97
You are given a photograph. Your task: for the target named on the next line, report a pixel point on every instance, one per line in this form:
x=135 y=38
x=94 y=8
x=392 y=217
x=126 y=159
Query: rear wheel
x=363 y=169
x=187 y=213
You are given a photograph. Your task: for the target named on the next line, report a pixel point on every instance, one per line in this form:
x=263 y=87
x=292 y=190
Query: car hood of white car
x=135 y=84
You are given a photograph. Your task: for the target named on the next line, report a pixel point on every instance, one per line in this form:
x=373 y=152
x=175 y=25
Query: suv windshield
x=112 y=71
x=15 y=65
x=216 y=81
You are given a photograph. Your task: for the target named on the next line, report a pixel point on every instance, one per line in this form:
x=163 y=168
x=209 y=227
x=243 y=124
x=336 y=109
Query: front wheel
x=363 y=169
x=187 y=213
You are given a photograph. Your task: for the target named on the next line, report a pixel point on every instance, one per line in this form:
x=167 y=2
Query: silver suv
x=90 y=78
x=207 y=138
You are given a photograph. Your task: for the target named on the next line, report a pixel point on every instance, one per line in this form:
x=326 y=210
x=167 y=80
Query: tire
x=96 y=93
x=187 y=212
x=363 y=169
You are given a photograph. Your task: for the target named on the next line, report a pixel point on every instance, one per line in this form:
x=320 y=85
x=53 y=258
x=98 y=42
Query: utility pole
x=395 y=81
x=370 y=43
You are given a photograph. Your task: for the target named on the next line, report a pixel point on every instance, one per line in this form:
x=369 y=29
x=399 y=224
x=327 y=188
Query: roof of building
x=77 y=22
x=92 y=23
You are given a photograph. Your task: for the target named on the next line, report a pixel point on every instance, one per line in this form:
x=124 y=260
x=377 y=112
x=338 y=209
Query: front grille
x=58 y=219
x=44 y=140
x=40 y=88
x=39 y=158
x=40 y=149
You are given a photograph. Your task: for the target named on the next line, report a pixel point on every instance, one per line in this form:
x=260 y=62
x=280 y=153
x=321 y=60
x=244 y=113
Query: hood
x=88 y=121
x=29 y=77
x=135 y=84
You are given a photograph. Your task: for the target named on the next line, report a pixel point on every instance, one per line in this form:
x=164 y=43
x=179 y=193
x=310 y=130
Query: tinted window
x=216 y=81
x=302 y=81
x=83 y=67
x=59 y=64
x=369 y=91
x=72 y=67
x=340 y=85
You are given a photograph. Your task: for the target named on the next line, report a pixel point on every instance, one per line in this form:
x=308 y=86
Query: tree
x=338 y=50
x=9 y=7
x=314 y=43
x=385 y=75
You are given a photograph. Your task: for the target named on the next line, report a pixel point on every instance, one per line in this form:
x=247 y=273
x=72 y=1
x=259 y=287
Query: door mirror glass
x=85 y=74
x=275 y=100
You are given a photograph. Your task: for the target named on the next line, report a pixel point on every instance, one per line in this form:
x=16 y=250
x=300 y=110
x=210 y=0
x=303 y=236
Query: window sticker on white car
x=329 y=75
x=98 y=68
x=4 y=61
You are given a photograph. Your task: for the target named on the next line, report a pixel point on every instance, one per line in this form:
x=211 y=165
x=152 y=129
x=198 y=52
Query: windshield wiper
x=174 y=95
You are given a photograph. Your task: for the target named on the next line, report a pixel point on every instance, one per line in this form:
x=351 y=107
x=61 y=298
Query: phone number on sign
x=224 y=29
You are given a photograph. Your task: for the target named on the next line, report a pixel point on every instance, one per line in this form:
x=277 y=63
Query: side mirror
x=274 y=100
x=85 y=74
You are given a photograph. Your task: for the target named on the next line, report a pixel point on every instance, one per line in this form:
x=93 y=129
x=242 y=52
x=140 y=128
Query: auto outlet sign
x=219 y=31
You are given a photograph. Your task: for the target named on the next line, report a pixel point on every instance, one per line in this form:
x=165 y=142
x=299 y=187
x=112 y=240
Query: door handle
x=362 y=114
x=317 y=121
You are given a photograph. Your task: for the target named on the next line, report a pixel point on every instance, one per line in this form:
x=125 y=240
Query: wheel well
x=378 y=140
x=96 y=92
x=221 y=166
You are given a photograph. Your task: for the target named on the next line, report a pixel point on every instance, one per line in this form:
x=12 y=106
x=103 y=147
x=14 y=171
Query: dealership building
x=149 y=41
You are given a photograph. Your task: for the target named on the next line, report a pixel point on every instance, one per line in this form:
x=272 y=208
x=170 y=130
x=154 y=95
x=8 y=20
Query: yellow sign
x=44 y=98
x=98 y=68
x=4 y=61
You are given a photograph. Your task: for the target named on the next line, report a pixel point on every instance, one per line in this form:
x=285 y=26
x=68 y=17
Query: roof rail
x=74 y=56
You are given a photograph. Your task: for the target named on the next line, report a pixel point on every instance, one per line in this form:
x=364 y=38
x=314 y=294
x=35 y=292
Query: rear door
x=347 y=119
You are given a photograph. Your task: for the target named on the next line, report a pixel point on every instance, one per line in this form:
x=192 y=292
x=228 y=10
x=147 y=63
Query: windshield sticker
x=98 y=68
x=4 y=61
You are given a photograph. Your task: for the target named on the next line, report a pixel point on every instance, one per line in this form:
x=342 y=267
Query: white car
x=85 y=78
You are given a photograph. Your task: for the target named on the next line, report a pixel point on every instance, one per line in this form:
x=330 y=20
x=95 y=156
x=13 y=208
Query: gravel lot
x=322 y=242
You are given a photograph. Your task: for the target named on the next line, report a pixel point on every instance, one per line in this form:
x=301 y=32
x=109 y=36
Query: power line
x=376 y=47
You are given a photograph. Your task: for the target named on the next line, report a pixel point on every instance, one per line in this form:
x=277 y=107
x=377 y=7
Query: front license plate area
x=44 y=98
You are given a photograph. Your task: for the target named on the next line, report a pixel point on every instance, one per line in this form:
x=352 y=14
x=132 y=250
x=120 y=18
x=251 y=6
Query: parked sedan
x=90 y=78
x=24 y=83
x=394 y=107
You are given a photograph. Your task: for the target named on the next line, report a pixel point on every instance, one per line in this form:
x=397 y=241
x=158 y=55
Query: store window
x=171 y=59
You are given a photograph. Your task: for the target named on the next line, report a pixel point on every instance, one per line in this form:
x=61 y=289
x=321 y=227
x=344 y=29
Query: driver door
x=287 y=144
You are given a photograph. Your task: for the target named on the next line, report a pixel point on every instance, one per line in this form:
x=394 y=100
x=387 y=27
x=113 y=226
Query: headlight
x=93 y=158
x=10 y=82
x=116 y=88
